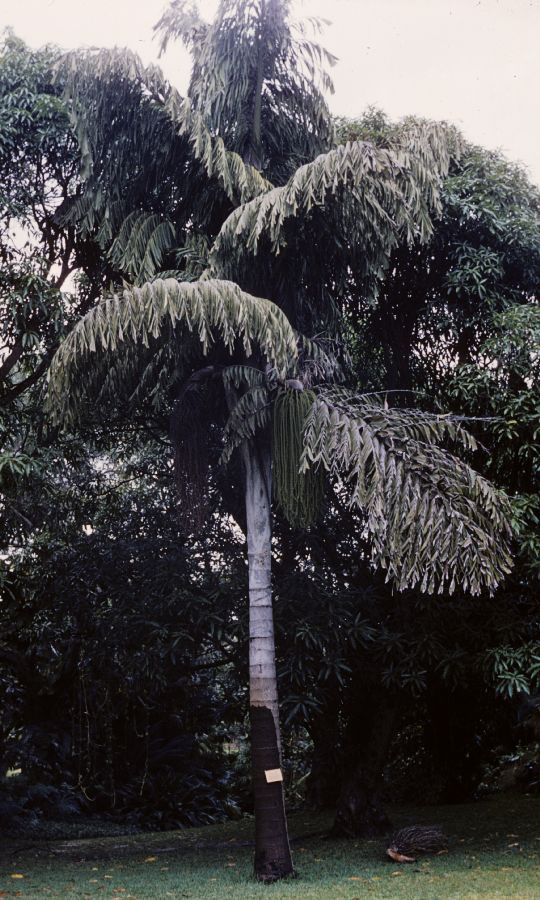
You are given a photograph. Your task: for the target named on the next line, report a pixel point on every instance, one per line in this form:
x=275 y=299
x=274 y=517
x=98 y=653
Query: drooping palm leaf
x=372 y=198
x=181 y=20
x=435 y=523
x=141 y=245
x=239 y=180
x=250 y=413
x=209 y=309
x=142 y=145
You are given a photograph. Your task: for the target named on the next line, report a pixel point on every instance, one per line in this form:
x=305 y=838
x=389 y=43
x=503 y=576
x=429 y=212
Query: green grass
x=494 y=853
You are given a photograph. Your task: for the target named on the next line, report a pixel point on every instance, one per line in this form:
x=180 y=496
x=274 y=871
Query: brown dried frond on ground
x=408 y=842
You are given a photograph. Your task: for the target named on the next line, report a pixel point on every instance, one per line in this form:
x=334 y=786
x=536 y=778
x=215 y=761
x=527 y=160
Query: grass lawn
x=494 y=852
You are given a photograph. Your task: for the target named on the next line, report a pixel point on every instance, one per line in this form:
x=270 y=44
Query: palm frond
x=118 y=382
x=207 y=309
x=181 y=20
x=140 y=141
x=248 y=415
x=141 y=244
x=193 y=256
x=239 y=180
x=257 y=81
x=370 y=199
x=435 y=522
x=318 y=360
x=242 y=376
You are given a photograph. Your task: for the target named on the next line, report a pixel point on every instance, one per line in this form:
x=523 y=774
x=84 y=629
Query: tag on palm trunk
x=273 y=775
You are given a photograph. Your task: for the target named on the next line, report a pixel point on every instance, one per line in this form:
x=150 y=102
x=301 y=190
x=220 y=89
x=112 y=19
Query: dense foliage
x=123 y=617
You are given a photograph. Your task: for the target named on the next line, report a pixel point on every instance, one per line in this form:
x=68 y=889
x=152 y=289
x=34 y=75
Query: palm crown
x=243 y=232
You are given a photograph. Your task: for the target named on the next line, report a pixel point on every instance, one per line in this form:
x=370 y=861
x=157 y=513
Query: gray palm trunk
x=273 y=858
x=272 y=852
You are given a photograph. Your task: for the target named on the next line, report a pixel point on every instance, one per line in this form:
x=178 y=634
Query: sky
x=472 y=62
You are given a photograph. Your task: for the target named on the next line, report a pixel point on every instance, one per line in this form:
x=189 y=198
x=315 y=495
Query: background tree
x=60 y=664
x=124 y=635
x=436 y=301
x=39 y=164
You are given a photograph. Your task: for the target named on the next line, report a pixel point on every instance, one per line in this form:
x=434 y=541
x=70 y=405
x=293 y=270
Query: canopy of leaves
x=334 y=222
x=436 y=303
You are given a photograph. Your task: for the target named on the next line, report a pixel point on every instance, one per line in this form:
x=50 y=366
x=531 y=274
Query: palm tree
x=210 y=205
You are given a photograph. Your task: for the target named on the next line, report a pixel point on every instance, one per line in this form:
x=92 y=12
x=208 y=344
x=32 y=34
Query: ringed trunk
x=272 y=851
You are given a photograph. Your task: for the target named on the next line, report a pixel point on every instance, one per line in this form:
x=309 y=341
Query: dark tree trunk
x=359 y=810
x=452 y=731
x=272 y=851
x=324 y=778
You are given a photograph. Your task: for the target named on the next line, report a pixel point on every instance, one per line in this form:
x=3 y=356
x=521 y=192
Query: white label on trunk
x=273 y=775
